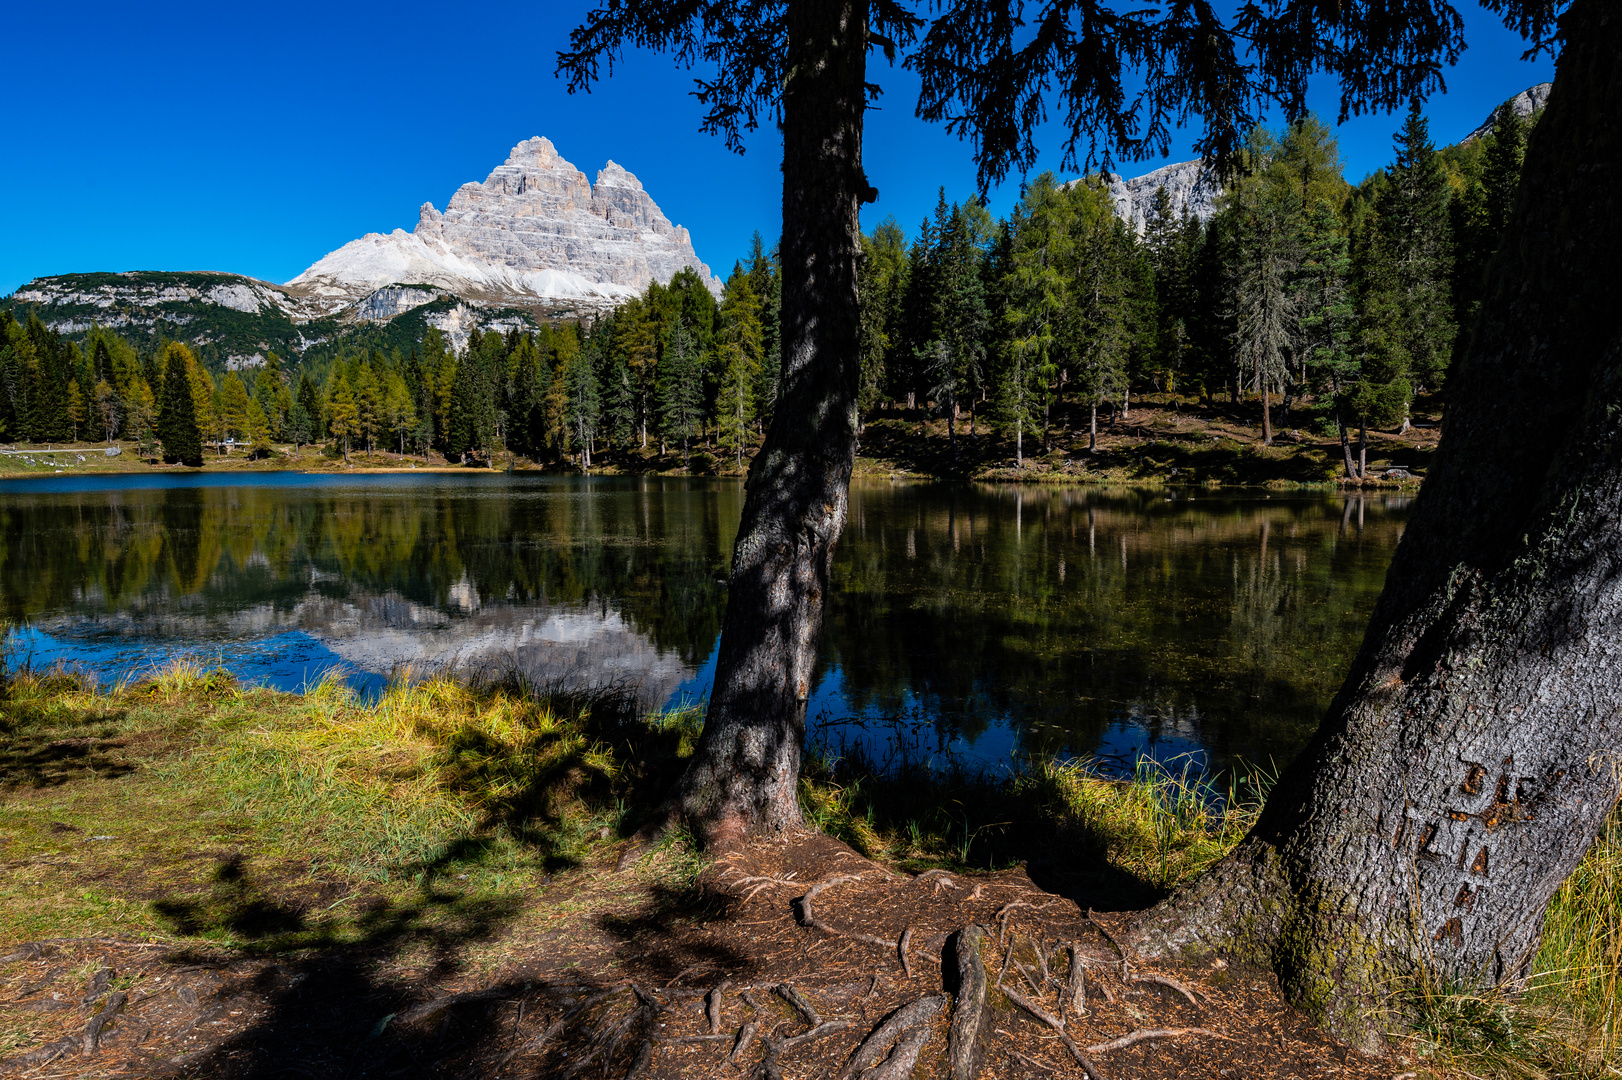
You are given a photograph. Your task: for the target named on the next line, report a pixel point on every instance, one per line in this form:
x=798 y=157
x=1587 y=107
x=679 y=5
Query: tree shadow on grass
x=356 y=1006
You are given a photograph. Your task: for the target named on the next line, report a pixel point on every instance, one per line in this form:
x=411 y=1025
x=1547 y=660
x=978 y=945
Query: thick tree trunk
x=1363 y=448
x=1267 y=421
x=1474 y=750
x=744 y=776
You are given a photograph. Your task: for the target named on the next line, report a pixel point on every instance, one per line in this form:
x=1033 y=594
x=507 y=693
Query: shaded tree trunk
x=1092 y=429
x=1346 y=449
x=744 y=776
x=1473 y=751
x=1267 y=420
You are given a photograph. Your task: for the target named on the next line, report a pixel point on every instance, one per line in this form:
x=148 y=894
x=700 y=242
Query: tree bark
x=744 y=775
x=1267 y=420
x=1346 y=450
x=1476 y=745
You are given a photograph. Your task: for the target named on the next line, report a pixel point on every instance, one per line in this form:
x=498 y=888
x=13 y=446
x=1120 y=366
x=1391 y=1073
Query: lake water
x=968 y=621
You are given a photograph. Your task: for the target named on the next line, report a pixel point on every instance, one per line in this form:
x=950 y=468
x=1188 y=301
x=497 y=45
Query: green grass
x=189 y=807
x=276 y=821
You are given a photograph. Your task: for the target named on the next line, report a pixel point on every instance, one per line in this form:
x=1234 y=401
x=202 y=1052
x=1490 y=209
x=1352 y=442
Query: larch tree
x=1472 y=753
x=1037 y=285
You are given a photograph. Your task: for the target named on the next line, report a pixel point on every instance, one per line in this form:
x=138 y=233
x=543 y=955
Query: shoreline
x=1162 y=445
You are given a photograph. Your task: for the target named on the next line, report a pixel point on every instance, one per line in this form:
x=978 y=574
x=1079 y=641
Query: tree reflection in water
x=970 y=616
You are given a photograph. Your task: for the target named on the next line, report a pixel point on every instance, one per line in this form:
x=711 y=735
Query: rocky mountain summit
x=1526 y=103
x=1190 y=185
x=534 y=230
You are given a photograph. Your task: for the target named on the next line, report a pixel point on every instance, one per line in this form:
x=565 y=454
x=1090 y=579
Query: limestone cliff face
x=535 y=229
x=1528 y=101
x=1190 y=184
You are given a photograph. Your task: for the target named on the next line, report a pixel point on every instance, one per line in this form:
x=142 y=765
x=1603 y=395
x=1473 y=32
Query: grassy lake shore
x=456 y=839
x=1163 y=442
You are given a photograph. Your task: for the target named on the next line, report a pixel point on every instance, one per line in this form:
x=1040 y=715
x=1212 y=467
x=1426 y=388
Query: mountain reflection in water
x=964 y=620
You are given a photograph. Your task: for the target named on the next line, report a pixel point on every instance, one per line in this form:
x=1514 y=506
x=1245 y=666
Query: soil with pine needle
x=792 y=959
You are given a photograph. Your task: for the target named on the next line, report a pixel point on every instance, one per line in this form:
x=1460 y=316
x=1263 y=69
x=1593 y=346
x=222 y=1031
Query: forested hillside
x=1306 y=302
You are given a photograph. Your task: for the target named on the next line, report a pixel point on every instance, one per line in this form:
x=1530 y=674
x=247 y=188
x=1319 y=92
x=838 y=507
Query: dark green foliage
x=177 y=412
x=1408 y=325
x=681 y=387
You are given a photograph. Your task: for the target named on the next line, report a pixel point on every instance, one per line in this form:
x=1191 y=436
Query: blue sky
x=256 y=139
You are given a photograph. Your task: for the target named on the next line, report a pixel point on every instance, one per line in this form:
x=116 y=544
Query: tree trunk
x=744 y=776
x=1346 y=449
x=1092 y=429
x=1267 y=420
x=1019 y=443
x=1363 y=448
x=1472 y=753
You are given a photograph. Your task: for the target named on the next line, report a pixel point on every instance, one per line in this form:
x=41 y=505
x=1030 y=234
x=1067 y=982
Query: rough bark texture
x=1473 y=752
x=745 y=771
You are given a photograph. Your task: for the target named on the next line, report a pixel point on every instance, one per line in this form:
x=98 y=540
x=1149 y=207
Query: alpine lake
x=973 y=624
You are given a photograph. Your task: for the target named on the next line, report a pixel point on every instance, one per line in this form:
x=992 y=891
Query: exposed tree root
x=890 y=1032
x=1154 y=1033
x=1087 y=1063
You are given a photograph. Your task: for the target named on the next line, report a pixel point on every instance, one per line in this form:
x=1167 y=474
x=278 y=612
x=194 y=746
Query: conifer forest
x=1306 y=302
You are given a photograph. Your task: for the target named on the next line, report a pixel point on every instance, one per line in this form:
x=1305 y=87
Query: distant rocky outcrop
x=1526 y=103
x=534 y=230
x=1190 y=184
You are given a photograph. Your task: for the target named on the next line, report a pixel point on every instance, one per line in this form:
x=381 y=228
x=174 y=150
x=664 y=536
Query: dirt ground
x=780 y=962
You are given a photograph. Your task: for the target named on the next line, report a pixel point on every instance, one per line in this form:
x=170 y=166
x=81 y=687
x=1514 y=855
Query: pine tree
x=1408 y=326
x=399 y=413
x=301 y=425
x=681 y=389
x=178 y=429
x=581 y=382
x=369 y=419
x=1325 y=315
x=1038 y=285
x=107 y=408
x=76 y=409
x=1100 y=333
x=257 y=425
x=16 y=378
x=741 y=353
x=1264 y=307
x=881 y=282
x=233 y=408
x=343 y=416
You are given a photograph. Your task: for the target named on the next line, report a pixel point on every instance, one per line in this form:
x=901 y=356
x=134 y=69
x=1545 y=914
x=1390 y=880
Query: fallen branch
x=901 y=947
x=1155 y=1033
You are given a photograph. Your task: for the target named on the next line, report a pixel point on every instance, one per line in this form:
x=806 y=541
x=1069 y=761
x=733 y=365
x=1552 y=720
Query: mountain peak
x=1524 y=104
x=535 y=230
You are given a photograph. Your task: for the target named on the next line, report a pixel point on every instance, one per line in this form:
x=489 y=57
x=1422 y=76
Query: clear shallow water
x=969 y=621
